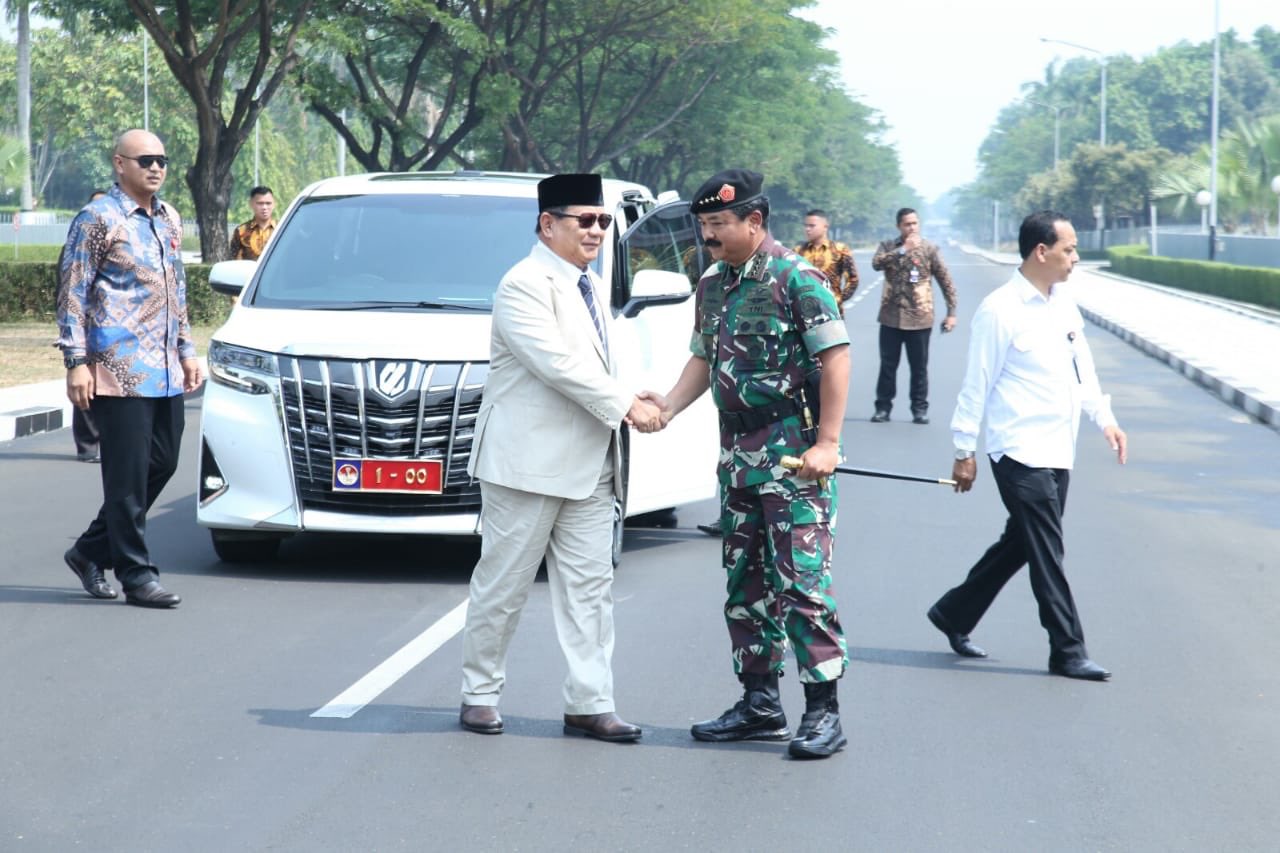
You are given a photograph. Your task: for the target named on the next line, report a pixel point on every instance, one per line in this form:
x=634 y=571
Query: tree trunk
x=210 y=183
x=24 y=99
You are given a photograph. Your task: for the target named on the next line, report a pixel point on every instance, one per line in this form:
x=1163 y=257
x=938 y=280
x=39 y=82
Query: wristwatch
x=962 y=455
x=70 y=361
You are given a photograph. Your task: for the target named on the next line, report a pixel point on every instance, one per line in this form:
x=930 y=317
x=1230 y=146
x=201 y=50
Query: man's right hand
x=911 y=241
x=80 y=386
x=964 y=472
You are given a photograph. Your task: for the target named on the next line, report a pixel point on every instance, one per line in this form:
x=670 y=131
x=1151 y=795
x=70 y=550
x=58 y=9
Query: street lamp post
x=1057 y=110
x=1213 y=142
x=1102 y=108
x=1275 y=188
x=1203 y=198
x=1102 y=98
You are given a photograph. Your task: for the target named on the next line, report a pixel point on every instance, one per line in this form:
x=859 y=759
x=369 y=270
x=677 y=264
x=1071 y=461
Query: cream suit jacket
x=552 y=402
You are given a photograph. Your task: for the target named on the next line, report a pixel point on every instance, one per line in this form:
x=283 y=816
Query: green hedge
x=28 y=291
x=1256 y=285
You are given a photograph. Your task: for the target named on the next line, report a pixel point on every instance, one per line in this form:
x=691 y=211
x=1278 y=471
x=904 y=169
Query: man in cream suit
x=546 y=453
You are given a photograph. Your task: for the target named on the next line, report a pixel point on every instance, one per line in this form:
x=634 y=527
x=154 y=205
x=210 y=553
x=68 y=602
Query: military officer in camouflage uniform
x=768 y=342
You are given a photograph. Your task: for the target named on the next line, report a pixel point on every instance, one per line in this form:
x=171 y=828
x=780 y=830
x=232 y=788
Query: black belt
x=750 y=420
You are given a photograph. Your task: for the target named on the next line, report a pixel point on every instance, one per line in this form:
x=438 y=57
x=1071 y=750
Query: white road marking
x=350 y=701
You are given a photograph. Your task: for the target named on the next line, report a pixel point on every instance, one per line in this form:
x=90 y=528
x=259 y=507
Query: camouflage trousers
x=777 y=556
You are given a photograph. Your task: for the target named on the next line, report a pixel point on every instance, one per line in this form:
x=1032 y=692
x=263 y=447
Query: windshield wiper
x=373 y=306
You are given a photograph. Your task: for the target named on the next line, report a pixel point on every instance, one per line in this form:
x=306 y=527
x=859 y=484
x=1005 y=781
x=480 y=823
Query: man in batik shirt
x=832 y=259
x=250 y=238
x=127 y=347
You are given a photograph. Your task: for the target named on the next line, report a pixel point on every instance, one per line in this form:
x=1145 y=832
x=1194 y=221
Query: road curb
x=1248 y=400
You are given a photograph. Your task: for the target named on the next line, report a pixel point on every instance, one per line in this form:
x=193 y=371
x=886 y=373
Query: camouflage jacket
x=907 y=302
x=835 y=261
x=760 y=329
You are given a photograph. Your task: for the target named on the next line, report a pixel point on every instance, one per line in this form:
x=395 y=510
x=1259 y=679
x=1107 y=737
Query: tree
x=207 y=44
x=1248 y=158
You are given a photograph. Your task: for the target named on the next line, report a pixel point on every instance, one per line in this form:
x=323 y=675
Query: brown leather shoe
x=481 y=719
x=608 y=726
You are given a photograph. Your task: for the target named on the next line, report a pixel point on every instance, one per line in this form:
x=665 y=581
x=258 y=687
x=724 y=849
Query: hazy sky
x=939 y=71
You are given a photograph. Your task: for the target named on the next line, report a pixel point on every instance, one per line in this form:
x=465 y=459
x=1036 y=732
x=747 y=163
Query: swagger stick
x=793 y=463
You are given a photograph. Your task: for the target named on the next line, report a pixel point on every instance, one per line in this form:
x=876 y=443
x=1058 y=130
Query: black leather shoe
x=757 y=715
x=960 y=643
x=1081 y=668
x=151 y=594
x=608 y=726
x=880 y=417
x=711 y=529
x=481 y=719
x=819 y=735
x=920 y=419
x=91 y=577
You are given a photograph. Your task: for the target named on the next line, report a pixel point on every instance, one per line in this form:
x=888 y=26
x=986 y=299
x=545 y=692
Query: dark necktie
x=588 y=296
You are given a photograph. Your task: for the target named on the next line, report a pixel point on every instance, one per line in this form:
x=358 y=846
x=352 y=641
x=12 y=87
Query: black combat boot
x=757 y=715
x=819 y=735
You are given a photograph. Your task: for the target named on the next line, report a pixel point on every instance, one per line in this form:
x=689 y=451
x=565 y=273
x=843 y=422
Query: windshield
x=405 y=251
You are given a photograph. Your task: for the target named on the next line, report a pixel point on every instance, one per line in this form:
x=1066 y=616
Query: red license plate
x=416 y=476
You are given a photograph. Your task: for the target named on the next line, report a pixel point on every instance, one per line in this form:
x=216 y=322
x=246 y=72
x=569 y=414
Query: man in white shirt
x=1031 y=372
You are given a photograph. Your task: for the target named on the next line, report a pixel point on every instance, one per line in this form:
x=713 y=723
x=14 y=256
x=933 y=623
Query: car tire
x=235 y=546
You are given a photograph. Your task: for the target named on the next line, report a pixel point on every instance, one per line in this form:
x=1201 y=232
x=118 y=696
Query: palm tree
x=1248 y=157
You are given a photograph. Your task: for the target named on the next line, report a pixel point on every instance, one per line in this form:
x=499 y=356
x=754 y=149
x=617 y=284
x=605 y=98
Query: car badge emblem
x=393 y=379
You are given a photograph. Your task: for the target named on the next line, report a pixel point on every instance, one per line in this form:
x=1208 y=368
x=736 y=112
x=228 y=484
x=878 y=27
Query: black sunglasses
x=146 y=161
x=586 y=220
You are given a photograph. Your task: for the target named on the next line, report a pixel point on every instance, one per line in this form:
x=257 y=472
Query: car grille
x=381 y=410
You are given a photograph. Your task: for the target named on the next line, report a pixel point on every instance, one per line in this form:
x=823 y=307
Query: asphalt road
x=123 y=729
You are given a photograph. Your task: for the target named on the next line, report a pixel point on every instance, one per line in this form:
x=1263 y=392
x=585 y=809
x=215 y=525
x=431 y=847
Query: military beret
x=568 y=190
x=726 y=189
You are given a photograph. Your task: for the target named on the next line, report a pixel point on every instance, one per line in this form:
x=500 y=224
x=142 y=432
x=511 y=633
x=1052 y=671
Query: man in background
x=909 y=262
x=250 y=238
x=834 y=260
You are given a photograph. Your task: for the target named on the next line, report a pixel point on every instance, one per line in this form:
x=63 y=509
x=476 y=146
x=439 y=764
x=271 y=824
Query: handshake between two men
x=650 y=412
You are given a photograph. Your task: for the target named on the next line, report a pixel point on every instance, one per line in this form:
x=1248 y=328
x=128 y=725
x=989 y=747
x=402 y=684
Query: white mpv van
x=344 y=386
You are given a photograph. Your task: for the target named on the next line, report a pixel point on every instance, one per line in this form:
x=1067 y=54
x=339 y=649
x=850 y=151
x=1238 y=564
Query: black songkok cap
x=726 y=189
x=566 y=190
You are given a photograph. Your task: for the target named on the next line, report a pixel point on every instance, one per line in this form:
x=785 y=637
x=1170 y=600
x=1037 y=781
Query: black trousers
x=84 y=432
x=892 y=342
x=140 y=439
x=1035 y=499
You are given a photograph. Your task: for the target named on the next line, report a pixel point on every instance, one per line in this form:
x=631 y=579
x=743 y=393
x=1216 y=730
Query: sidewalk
x=1231 y=349
x=40 y=407
x=1228 y=347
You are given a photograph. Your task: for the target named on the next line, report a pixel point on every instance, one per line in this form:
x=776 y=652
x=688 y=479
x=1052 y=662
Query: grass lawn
x=27 y=353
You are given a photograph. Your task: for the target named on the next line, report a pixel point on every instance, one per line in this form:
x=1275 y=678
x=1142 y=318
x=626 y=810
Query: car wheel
x=235 y=546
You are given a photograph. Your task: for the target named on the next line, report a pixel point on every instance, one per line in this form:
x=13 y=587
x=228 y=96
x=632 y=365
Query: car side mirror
x=656 y=287
x=230 y=277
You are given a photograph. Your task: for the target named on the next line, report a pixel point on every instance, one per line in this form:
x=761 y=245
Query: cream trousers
x=576 y=537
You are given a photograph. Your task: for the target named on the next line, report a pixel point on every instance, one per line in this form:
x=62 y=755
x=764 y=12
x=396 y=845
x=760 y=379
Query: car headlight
x=241 y=368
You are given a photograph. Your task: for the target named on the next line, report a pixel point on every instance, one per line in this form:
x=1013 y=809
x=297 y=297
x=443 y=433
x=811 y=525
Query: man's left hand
x=948 y=324
x=192 y=378
x=1119 y=442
